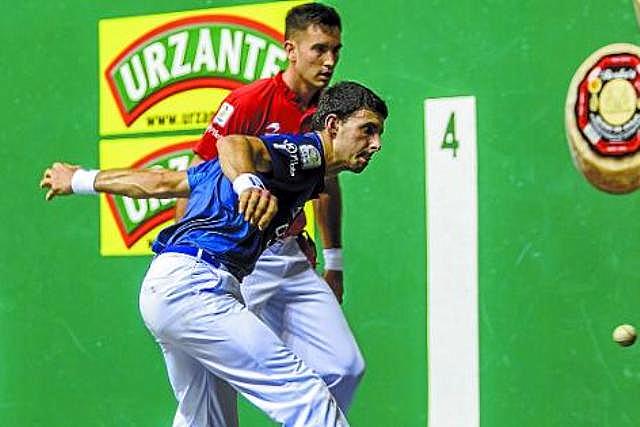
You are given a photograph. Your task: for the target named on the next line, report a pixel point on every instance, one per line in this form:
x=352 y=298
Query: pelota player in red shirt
x=284 y=290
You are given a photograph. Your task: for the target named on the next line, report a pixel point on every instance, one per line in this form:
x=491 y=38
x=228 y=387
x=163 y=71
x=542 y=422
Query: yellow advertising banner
x=169 y=72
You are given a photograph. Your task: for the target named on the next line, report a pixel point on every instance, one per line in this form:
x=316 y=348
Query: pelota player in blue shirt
x=238 y=204
x=212 y=222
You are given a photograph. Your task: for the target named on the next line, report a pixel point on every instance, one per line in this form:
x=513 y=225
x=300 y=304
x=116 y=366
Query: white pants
x=210 y=340
x=298 y=305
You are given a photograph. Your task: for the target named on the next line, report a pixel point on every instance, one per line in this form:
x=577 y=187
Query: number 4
x=449 y=141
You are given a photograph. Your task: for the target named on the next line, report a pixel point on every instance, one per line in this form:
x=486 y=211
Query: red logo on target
x=607 y=109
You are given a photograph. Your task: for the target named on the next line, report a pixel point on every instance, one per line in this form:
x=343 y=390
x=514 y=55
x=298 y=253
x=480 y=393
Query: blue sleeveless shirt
x=212 y=222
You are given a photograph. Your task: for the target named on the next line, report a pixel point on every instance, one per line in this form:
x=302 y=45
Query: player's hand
x=57 y=179
x=258 y=206
x=334 y=280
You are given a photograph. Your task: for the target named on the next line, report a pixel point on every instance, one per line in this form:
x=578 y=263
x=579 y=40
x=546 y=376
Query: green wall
x=557 y=258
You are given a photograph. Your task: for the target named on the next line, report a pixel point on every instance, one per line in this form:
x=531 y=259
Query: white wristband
x=332 y=259
x=82 y=181
x=244 y=181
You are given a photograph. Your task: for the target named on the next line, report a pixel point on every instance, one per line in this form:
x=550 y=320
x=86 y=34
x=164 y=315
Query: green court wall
x=557 y=258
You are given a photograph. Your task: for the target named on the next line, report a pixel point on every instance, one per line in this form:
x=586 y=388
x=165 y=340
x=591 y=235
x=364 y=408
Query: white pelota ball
x=625 y=335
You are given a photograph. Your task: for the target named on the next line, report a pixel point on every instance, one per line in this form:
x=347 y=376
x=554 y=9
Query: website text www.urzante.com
x=192 y=118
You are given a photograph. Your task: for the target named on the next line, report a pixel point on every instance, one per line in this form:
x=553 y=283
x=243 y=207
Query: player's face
x=358 y=138
x=314 y=53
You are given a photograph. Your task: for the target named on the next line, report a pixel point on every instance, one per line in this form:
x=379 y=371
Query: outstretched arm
x=63 y=179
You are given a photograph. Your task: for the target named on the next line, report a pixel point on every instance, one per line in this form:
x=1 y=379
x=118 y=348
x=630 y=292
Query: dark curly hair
x=344 y=99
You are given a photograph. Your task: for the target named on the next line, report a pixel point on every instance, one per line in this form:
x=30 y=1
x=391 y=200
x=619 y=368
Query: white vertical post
x=452 y=262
